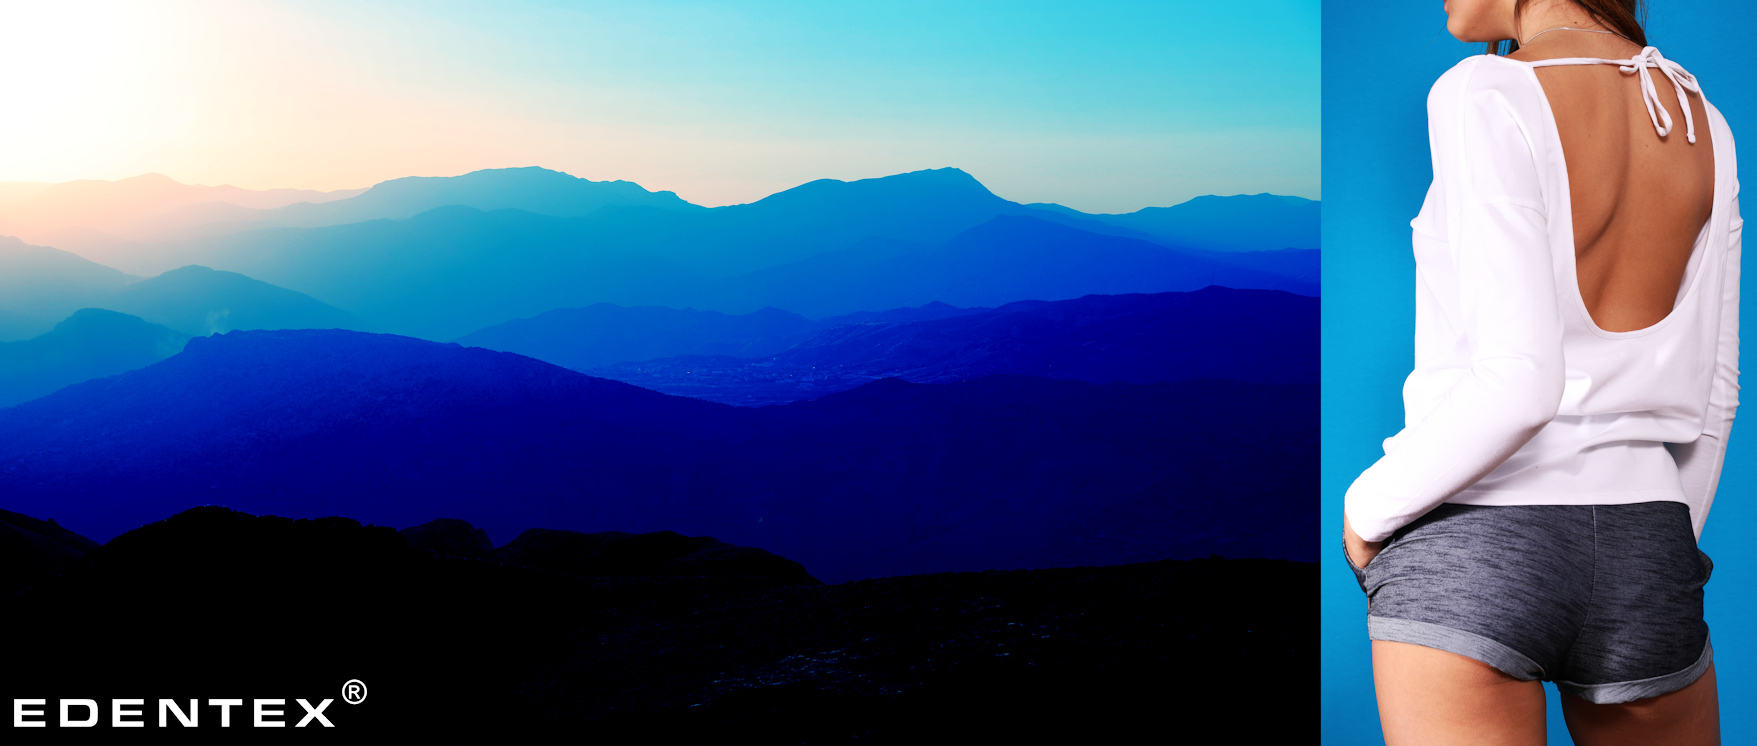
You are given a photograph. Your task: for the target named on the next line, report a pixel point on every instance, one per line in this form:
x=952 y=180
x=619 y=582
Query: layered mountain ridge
x=888 y=478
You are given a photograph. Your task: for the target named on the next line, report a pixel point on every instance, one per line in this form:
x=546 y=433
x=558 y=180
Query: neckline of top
x=1648 y=57
x=1703 y=234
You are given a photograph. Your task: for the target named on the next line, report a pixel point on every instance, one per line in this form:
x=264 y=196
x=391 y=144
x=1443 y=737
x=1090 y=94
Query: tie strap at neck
x=1649 y=57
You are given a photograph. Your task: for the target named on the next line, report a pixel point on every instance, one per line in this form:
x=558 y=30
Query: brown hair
x=1625 y=17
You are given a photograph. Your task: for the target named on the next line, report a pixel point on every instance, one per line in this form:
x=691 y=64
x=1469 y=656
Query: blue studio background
x=1379 y=60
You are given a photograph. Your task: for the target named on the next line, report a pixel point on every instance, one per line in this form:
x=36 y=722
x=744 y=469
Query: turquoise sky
x=1107 y=106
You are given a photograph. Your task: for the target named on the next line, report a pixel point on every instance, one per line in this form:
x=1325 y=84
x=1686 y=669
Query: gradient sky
x=1105 y=107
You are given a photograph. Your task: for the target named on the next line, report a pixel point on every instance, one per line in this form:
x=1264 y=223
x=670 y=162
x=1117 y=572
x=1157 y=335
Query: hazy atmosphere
x=1104 y=108
x=695 y=372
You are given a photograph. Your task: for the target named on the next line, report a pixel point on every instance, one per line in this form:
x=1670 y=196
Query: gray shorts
x=1604 y=600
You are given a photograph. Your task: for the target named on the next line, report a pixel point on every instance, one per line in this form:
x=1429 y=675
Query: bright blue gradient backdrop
x=1379 y=60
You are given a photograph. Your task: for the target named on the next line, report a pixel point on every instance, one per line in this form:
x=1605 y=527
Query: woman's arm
x=1360 y=551
x=1699 y=462
x=1498 y=238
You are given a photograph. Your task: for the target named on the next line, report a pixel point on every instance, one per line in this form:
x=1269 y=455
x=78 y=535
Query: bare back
x=1639 y=200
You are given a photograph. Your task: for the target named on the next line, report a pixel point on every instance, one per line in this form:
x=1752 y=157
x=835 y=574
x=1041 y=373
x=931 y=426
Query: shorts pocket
x=1360 y=576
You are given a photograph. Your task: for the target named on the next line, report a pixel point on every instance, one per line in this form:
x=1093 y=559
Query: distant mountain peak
x=928 y=186
x=1238 y=222
x=188 y=269
x=152 y=178
x=948 y=173
x=1258 y=197
x=89 y=319
x=949 y=176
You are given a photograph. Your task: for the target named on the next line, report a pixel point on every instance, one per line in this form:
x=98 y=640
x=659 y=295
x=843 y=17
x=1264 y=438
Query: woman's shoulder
x=1486 y=83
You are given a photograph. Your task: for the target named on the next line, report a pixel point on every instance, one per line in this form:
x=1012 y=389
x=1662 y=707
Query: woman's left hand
x=1360 y=551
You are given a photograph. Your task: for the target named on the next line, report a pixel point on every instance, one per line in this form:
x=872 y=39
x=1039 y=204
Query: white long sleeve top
x=1518 y=397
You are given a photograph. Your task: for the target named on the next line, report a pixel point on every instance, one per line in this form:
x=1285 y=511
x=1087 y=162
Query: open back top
x=1640 y=183
x=1518 y=397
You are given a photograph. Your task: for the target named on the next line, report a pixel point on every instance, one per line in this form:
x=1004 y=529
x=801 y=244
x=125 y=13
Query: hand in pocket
x=1360 y=551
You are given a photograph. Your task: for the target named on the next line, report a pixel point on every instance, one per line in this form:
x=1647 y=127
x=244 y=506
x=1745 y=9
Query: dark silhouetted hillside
x=450 y=537
x=606 y=553
x=91 y=343
x=32 y=550
x=269 y=606
x=888 y=478
x=617 y=554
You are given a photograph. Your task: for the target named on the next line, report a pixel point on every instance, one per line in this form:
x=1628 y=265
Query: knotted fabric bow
x=1681 y=81
x=1649 y=57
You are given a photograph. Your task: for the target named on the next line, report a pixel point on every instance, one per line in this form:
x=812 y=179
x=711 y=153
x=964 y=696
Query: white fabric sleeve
x=1497 y=230
x=1699 y=462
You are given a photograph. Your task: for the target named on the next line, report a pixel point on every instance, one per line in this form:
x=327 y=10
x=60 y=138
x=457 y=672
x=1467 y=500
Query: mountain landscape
x=927 y=377
x=1253 y=222
x=846 y=462
x=1245 y=335
x=606 y=334
x=40 y=286
x=822 y=249
x=92 y=343
x=199 y=301
x=892 y=477
x=123 y=208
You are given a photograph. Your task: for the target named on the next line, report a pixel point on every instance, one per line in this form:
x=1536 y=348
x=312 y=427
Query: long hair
x=1626 y=17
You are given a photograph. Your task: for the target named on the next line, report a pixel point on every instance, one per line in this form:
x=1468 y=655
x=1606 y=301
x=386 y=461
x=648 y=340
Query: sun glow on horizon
x=721 y=104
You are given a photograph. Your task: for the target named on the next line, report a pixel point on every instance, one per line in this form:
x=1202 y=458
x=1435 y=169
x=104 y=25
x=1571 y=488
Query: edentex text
x=131 y=713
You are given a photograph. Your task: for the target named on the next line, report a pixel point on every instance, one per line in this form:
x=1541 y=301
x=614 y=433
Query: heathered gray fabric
x=1605 y=600
x=1510 y=661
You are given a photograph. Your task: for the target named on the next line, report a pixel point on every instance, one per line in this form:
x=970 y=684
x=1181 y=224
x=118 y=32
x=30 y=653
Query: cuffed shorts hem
x=1629 y=691
x=1470 y=645
x=1519 y=666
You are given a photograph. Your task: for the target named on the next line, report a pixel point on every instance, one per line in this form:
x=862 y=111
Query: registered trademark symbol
x=354 y=692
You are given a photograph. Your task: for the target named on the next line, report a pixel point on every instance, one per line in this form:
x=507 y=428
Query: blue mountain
x=605 y=334
x=199 y=301
x=1005 y=259
x=40 y=286
x=448 y=271
x=451 y=271
x=91 y=343
x=1267 y=336
x=892 y=477
x=14 y=325
x=531 y=189
x=1245 y=222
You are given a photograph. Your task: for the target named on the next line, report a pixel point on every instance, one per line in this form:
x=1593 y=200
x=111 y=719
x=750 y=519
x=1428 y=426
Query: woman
x=1575 y=380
